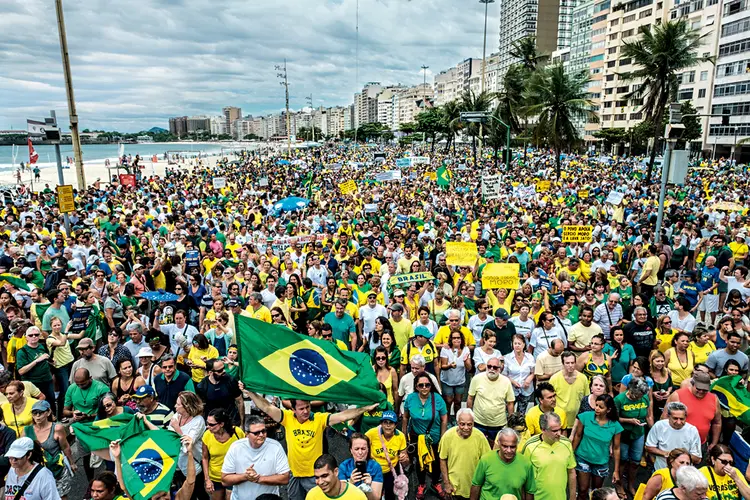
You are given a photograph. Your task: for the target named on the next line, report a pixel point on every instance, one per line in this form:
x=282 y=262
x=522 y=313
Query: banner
x=546 y=284
x=127 y=180
x=727 y=205
x=543 y=186
x=220 y=182
x=371 y=208
x=281 y=243
x=501 y=276
x=65 y=201
x=577 y=234
x=583 y=193
x=391 y=175
x=403 y=279
x=524 y=192
x=401 y=221
x=420 y=160
x=615 y=197
x=491 y=186
x=458 y=253
x=348 y=187
x=403 y=162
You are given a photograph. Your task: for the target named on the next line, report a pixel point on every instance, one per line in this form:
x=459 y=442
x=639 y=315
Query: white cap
x=145 y=352
x=20 y=447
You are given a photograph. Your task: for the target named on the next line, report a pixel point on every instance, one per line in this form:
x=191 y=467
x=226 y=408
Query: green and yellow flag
x=733 y=396
x=444 y=176
x=98 y=434
x=278 y=361
x=14 y=280
x=149 y=460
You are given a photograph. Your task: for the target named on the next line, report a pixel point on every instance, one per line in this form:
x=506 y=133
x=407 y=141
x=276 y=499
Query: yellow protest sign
x=405 y=279
x=501 y=276
x=583 y=193
x=458 y=253
x=577 y=234
x=727 y=205
x=65 y=200
x=542 y=186
x=348 y=187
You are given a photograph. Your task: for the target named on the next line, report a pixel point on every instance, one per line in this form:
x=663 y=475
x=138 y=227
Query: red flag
x=33 y=155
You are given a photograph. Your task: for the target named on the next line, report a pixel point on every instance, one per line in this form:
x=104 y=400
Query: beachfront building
x=230 y=115
x=178 y=126
x=366 y=104
x=451 y=83
x=409 y=103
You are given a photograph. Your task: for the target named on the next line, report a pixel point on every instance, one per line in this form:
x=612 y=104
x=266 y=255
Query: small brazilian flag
x=444 y=176
x=14 y=280
x=274 y=360
x=149 y=460
x=98 y=434
x=733 y=397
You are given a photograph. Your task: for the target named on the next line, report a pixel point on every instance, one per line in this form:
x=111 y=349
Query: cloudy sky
x=137 y=62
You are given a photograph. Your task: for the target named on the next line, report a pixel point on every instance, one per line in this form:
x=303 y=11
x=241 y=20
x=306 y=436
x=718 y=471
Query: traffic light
x=725 y=117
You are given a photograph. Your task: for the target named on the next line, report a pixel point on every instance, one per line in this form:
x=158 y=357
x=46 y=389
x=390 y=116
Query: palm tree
x=660 y=54
x=557 y=99
x=451 y=121
x=471 y=101
x=525 y=51
x=497 y=135
x=510 y=99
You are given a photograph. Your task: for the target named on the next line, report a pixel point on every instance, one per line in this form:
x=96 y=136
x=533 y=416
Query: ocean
x=98 y=153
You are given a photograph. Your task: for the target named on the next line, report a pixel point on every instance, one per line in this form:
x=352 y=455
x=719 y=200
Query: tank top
x=52 y=451
x=666 y=478
x=121 y=391
x=700 y=411
x=389 y=388
x=591 y=368
x=679 y=370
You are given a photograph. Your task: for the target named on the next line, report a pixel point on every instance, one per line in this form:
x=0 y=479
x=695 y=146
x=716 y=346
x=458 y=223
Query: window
x=645 y=13
x=688 y=77
x=608 y=104
x=609 y=78
x=625 y=62
x=622 y=116
x=685 y=94
x=636 y=116
x=622 y=90
x=611 y=64
x=742 y=109
x=701 y=93
x=637 y=102
x=735 y=27
x=629 y=18
x=606 y=118
x=734 y=47
x=627 y=33
x=620 y=104
x=704 y=76
x=599 y=57
x=729 y=89
x=613 y=36
x=612 y=50
x=614 y=22
x=608 y=91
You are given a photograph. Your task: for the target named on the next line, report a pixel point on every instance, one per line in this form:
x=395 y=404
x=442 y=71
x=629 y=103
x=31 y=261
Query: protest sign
x=403 y=279
x=371 y=208
x=577 y=234
x=391 y=175
x=546 y=284
x=543 y=186
x=65 y=200
x=403 y=162
x=419 y=160
x=615 y=197
x=491 y=185
x=263 y=181
x=500 y=276
x=458 y=253
x=401 y=221
x=80 y=319
x=583 y=193
x=220 y=182
x=348 y=187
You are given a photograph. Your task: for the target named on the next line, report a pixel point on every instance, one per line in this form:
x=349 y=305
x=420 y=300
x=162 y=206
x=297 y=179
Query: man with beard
x=492 y=398
x=219 y=390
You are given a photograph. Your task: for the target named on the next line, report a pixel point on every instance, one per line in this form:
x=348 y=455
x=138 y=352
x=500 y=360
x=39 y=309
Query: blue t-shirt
x=691 y=291
x=373 y=469
x=420 y=415
x=709 y=277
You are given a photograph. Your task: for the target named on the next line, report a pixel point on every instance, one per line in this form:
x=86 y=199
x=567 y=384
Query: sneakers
x=439 y=489
x=420 y=492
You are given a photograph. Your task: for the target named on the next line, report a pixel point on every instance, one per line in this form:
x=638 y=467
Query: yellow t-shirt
x=739 y=249
x=199 y=368
x=427 y=351
x=233 y=248
x=532 y=420
x=217 y=451
x=395 y=445
x=443 y=335
x=14 y=345
x=349 y=492
x=304 y=441
x=413 y=305
x=569 y=395
x=403 y=331
x=727 y=488
x=463 y=456
x=19 y=421
x=263 y=314
x=490 y=398
x=700 y=354
x=29 y=389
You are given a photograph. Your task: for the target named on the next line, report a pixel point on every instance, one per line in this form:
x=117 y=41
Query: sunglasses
x=424 y=386
x=30 y=335
x=327 y=336
x=258 y=433
x=380 y=358
x=493 y=367
x=219 y=372
x=726 y=462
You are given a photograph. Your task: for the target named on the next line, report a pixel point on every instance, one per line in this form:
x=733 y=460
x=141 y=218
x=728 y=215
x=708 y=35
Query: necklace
x=687 y=360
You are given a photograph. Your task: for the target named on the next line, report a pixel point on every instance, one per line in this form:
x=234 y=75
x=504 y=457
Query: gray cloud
x=137 y=62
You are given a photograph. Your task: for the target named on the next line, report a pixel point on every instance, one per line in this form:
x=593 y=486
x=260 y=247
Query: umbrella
x=160 y=296
x=290 y=204
x=282 y=162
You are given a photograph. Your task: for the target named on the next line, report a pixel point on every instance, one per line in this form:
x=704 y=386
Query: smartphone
x=361 y=467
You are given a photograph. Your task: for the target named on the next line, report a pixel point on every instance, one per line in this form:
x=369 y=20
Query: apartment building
x=230 y=115
x=409 y=103
x=450 y=84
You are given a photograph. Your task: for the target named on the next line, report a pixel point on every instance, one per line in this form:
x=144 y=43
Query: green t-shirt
x=627 y=408
x=40 y=373
x=594 y=445
x=496 y=478
x=85 y=400
x=342 y=327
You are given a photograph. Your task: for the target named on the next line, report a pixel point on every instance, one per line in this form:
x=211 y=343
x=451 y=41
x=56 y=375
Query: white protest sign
x=491 y=185
x=220 y=182
x=615 y=197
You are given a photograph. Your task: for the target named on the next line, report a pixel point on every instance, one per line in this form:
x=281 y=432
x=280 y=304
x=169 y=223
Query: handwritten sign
x=501 y=276
x=615 y=197
x=577 y=234
x=65 y=200
x=458 y=253
x=543 y=186
x=403 y=279
x=403 y=162
x=220 y=182
x=491 y=185
x=583 y=193
x=348 y=187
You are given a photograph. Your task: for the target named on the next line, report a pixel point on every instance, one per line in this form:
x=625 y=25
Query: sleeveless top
x=53 y=457
x=700 y=411
x=666 y=479
x=590 y=368
x=679 y=370
x=148 y=377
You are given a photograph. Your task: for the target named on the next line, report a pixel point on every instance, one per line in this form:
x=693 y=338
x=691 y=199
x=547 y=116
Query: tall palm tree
x=451 y=121
x=557 y=99
x=471 y=101
x=660 y=54
x=510 y=99
x=525 y=51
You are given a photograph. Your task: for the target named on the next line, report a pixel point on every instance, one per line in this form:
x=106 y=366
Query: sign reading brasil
x=577 y=234
x=403 y=279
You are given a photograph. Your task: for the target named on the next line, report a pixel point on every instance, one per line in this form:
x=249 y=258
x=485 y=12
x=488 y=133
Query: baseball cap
x=501 y=313
x=85 y=343
x=20 y=447
x=144 y=391
x=422 y=331
x=397 y=307
x=702 y=381
x=390 y=416
x=233 y=303
x=42 y=405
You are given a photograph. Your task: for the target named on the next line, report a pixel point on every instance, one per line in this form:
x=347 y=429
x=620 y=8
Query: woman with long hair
x=663 y=385
x=62 y=357
x=388 y=342
x=188 y=420
x=519 y=368
x=634 y=408
x=423 y=319
x=361 y=468
x=725 y=481
x=455 y=360
x=17 y=411
x=296 y=306
x=216 y=442
x=621 y=354
x=126 y=383
x=679 y=359
x=385 y=373
x=664 y=479
x=486 y=351
x=595 y=432
x=53 y=438
x=200 y=352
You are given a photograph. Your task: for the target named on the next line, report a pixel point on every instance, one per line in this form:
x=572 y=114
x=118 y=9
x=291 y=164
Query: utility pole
x=424 y=100
x=285 y=83
x=356 y=69
x=75 y=137
x=484 y=42
x=310 y=101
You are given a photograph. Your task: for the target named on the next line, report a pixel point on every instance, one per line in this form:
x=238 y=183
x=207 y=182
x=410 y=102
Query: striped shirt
x=161 y=416
x=606 y=317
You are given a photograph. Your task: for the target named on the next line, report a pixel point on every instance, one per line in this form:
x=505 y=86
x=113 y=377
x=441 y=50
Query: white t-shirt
x=523 y=327
x=476 y=325
x=733 y=284
x=541 y=339
x=686 y=324
x=268 y=297
x=267 y=460
x=457 y=375
x=368 y=315
x=43 y=487
x=189 y=331
x=195 y=429
x=663 y=437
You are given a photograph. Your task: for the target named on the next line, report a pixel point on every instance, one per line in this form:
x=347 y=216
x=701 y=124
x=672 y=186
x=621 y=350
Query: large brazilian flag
x=275 y=360
x=733 y=396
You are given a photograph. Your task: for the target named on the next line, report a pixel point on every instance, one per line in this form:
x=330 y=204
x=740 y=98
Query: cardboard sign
x=348 y=187
x=263 y=182
x=577 y=234
x=65 y=200
x=220 y=182
x=615 y=197
x=458 y=253
x=546 y=284
x=498 y=275
x=403 y=279
x=419 y=160
x=543 y=186
x=491 y=185
x=583 y=193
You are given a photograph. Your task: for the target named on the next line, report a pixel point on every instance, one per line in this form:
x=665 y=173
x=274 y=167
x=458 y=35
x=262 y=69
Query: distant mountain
x=158 y=130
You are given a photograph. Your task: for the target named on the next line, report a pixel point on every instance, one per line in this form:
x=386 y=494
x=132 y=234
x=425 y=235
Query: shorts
x=453 y=390
x=489 y=431
x=710 y=304
x=65 y=483
x=220 y=487
x=632 y=451
x=598 y=470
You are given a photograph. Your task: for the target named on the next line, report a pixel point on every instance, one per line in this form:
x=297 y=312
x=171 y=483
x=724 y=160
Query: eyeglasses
x=726 y=462
x=258 y=433
x=39 y=412
x=666 y=322
x=424 y=386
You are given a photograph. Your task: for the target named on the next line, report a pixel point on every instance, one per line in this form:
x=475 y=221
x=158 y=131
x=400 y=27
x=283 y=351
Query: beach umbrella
x=282 y=162
x=160 y=296
x=290 y=204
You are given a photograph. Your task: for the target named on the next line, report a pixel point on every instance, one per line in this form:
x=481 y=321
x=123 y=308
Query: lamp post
x=484 y=117
x=484 y=40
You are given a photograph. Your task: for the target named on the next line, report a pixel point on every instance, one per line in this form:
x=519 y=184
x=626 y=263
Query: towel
x=424 y=452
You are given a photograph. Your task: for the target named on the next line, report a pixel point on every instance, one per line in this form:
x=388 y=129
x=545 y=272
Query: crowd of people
x=597 y=366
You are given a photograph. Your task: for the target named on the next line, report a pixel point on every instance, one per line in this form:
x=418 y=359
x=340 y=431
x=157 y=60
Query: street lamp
x=484 y=42
x=484 y=117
